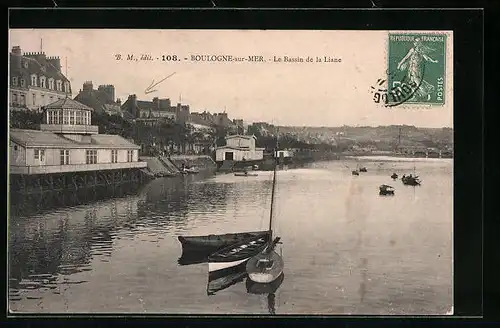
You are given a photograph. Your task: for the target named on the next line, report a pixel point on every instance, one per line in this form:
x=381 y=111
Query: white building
x=35 y=80
x=67 y=142
x=239 y=148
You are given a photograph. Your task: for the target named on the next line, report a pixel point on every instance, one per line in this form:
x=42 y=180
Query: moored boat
x=245 y=174
x=363 y=169
x=267 y=266
x=237 y=254
x=386 y=190
x=394 y=176
x=212 y=243
x=355 y=172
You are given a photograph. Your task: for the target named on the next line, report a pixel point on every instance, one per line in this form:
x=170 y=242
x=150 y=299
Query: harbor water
x=346 y=249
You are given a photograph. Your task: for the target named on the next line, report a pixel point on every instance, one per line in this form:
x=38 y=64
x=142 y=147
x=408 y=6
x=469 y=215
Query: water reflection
x=353 y=251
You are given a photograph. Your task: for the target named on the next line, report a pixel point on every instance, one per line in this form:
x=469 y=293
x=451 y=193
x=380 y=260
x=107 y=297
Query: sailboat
x=267 y=266
x=239 y=253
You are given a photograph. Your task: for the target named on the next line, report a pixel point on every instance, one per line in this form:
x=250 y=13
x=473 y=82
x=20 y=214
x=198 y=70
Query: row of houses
x=66 y=141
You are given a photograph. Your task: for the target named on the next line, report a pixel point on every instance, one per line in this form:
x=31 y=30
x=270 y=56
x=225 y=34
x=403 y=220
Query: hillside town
x=159 y=125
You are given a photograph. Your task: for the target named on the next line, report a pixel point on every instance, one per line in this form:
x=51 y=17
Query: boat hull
x=212 y=243
x=222 y=279
x=236 y=254
x=265 y=275
x=218 y=266
x=238 y=174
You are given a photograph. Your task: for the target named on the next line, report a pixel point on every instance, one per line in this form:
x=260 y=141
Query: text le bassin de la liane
x=144 y=57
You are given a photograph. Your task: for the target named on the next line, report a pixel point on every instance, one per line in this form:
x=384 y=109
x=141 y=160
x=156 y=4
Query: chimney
x=118 y=101
x=16 y=50
x=88 y=86
x=56 y=62
x=156 y=103
x=16 y=57
x=133 y=105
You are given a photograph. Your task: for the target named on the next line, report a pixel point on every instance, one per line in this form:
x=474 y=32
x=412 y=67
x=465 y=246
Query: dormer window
x=66 y=87
x=25 y=64
x=59 y=85
x=14 y=81
x=33 y=80
x=51 y=84
x=23 y=83
x=42 y=82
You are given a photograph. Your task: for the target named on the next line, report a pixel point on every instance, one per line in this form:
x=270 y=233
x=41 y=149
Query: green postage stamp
x=416 y=69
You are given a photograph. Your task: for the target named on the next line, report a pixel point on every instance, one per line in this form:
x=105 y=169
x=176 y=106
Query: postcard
x=256 y=172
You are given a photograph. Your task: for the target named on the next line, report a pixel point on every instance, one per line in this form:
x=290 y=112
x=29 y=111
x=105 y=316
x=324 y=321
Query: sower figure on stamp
x=413 y=63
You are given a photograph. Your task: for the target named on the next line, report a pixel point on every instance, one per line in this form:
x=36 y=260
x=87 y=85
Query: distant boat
x=245 y=174
x=355 y=172
x=394 y=176
x=212 y=243
x=411 y=180
x=267 y=266
x=385 y=190
x=363 y=169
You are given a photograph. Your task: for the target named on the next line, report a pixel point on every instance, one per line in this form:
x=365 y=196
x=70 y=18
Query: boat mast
x=272 y=193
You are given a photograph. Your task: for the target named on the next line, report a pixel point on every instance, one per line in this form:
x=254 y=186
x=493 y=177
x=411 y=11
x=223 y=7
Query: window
x=34 y=98
x=66 y=87
x=51 y=84
x=15 y=147
x=72 y=117
x=64 y=154
x=33 y=80
x=14 y=81
x=130 y=155
x=58 y=84
x=23 y=100
x=66 y=117
x=78 y=117
x=42 y=82
x=91 y=156
x=39 y=155
x=53 y=117
x=114 y=156
x=51 y=99
x=43 y=100
x=25 y=64
x=14 y=98
x=23 y=83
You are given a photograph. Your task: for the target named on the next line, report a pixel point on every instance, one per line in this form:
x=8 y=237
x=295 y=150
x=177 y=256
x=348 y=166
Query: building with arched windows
x=35 y=80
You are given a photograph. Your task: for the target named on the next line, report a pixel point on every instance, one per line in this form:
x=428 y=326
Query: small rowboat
x=212 y=243
x=386 y=190
x=236 y=254
x=245 y=174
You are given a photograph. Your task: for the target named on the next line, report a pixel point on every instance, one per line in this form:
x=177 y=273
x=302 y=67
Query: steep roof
x=97 y=100
x=44 y=68
x=67 y=103
x=34 y=138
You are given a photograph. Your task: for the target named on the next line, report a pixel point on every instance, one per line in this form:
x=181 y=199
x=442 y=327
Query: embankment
x=201 y=162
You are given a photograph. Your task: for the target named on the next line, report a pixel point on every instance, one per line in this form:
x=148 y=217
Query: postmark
x=416 y=64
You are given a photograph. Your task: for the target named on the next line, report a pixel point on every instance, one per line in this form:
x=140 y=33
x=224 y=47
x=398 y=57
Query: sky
x=281 y=93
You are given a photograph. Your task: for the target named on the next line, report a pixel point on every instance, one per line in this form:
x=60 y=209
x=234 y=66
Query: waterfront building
x=67 y=143
x=239 y=148
x=102 y=99
x=35 y=80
